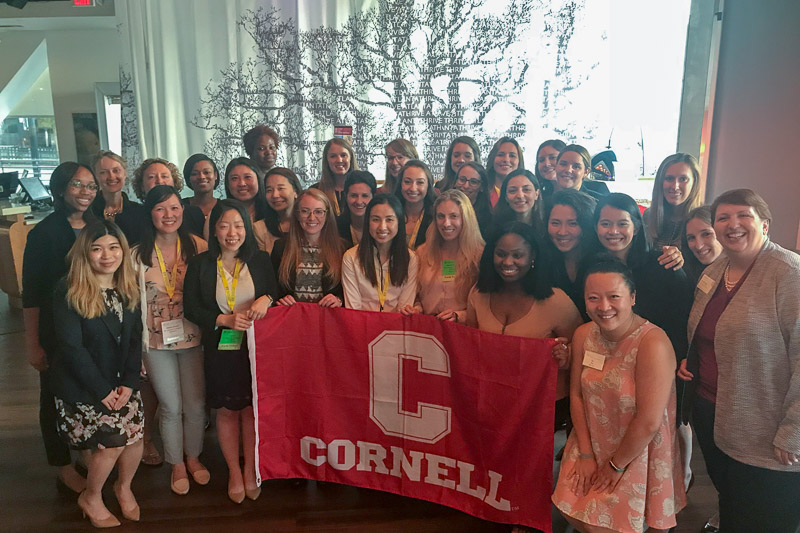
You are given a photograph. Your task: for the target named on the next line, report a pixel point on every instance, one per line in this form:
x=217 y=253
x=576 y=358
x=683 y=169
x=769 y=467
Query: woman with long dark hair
x=281 y=189
x=520 y=200
x=415 y=192
x=504 y=158
x=546 y=164
x=338 y=158
x=359 y=188
x=73 y=187
x=173 y=355
x=380 y=274
x=242 y=184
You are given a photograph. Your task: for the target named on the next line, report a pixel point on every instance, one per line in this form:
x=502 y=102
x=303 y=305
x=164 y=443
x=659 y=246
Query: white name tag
x=705 y=284
x=593 y=360
x=172 y=331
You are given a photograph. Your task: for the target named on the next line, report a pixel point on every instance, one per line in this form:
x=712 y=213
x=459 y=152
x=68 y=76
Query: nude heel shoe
x=111 y=521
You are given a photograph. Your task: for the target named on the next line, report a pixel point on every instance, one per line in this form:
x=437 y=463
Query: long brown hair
x=657 y=213
x=83 y=292
x=330 y=244
x=327 y=182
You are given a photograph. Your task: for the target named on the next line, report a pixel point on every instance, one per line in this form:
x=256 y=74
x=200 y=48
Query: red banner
x=410 y=405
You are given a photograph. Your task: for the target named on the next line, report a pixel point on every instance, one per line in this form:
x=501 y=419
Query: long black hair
x=156 y=195
x=503 y=213
x=260 y=200
x=249 y=246
x=354 y=177
x=639 y=248
x=535 y=283
x=399 y=256
x=271 y=218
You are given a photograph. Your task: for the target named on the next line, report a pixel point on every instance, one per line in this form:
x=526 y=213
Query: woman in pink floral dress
x=621 y=469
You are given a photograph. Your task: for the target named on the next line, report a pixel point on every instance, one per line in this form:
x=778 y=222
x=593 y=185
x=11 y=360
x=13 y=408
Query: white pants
x=179 y=382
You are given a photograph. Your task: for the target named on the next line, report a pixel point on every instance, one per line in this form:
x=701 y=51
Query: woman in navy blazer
x=225 y=290
x=73 y=187
x=96 y=363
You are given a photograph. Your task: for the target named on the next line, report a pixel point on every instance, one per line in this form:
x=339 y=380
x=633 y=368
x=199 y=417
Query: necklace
x=111 y=212
x=728 y=284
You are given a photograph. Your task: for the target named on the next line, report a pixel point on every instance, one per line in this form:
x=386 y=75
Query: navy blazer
x=200 y=290
x=43 y=264
x=93 y=356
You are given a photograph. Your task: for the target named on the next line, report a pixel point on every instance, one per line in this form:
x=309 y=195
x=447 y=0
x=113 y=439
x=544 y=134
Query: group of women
x=535 y=254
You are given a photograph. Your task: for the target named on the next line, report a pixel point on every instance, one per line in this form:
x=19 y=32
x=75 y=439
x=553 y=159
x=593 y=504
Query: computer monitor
x=34 y=189
x=9 y=181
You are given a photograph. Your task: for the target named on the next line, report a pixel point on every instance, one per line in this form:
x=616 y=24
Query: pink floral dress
x=651 y=489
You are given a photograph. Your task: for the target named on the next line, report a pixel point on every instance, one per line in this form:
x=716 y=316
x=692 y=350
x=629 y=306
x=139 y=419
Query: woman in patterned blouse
x=309 y=261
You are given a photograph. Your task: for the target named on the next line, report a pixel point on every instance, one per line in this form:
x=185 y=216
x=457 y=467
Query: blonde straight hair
x=330 y=244
x=83 y=293
x=470 y=244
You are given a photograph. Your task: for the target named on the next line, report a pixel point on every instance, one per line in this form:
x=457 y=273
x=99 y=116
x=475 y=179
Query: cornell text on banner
x=410 y=405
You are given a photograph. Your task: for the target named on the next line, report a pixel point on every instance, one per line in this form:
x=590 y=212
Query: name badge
x=448 y=270
x=172 y=331
x=230 y=339
x=593 y=360
x=705 y=284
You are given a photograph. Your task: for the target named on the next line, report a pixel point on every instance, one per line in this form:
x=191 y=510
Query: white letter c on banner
x=430 y=422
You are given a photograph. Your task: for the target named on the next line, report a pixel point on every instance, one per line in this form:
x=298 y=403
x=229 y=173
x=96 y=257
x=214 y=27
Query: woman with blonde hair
x=448 y=261
x=309 y=261
x=398 y=153
x=95 y=368
x=112 y=203
x=338 y=159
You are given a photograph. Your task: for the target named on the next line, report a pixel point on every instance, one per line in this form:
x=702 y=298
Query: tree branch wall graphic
x=427 y=71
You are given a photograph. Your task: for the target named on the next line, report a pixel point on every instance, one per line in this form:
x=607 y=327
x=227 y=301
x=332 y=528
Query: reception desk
x=14 y=228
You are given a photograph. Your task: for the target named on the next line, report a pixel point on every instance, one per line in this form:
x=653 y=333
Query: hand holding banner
x=411 y=405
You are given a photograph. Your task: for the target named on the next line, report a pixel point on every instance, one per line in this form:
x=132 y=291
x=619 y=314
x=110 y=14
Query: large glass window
x=28 y=144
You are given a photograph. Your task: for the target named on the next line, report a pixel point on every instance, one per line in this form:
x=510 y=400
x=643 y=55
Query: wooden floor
x=30 y=503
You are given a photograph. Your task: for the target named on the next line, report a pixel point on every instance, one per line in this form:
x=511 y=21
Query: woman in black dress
x=96 y=364
x=225 y=290
x=74 y=188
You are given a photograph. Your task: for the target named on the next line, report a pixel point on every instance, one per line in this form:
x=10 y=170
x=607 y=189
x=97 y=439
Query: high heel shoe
x=236 y=497
x=132 y=513
x=253 y=494
x=111 y=521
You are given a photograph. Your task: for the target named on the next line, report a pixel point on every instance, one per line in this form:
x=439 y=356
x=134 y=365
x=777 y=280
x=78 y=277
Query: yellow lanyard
x=169 y=281
x=230 y=291
x=416 y=230
x=383 y=290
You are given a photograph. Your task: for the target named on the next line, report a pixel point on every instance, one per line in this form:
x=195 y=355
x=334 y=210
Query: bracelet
x=585 y=455
x=615 y=467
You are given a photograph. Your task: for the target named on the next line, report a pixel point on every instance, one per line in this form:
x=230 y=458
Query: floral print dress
x=86 y=426
x=651 y=489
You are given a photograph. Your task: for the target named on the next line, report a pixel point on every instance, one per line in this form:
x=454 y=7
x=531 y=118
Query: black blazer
x=277 y=255
x=132 y=220
x=93 y=355
x=43 y=264
x=200 y=290
x=595 y=189
x=193 y=218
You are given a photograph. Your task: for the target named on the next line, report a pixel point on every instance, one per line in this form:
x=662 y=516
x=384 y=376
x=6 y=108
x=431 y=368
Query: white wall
x=756 y=128
x=77 y=60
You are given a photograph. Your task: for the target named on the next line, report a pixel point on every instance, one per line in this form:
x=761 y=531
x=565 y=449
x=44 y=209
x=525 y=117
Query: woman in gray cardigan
x=744 y=363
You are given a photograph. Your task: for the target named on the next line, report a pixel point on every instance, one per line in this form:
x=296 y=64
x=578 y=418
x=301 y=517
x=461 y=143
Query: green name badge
x=230 y=339
x=448 y=270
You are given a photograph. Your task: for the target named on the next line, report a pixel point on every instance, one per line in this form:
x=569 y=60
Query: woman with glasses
x=308 y=262
x=473 y=180
x=74 y=188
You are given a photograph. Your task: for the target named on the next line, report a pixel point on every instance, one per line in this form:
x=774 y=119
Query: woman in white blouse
x=380 y=274
x=448 y=261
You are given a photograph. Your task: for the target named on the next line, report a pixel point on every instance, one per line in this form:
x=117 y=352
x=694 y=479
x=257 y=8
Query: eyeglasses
x=472 y=182
x=318 y=213
x=75 y=184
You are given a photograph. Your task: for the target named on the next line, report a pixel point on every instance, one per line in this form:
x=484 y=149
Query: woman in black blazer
x=225 y=290
x=96 y=363
x=73 y=187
